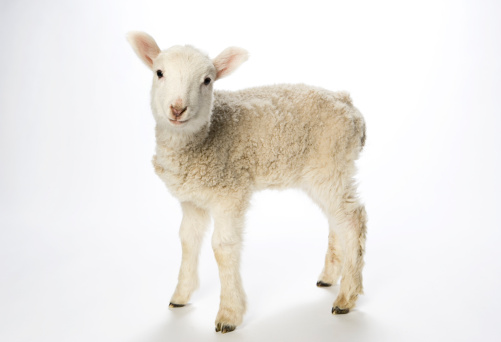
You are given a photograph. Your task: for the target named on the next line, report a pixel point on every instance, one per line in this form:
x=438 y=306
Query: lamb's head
x=183 y=77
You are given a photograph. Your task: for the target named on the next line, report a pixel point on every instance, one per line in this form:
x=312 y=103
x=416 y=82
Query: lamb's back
x=270 y=133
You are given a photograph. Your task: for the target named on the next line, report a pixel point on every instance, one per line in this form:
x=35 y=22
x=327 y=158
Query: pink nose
x=177 y=111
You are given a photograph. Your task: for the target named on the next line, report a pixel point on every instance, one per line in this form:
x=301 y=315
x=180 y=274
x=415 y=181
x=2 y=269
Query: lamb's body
x=215 y=148
x=275 y=136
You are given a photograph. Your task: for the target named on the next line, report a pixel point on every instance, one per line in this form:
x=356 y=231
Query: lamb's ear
x=229 y=60
x=144 y=46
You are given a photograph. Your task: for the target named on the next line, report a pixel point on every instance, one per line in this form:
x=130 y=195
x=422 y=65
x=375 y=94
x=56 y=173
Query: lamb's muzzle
x=177 y=111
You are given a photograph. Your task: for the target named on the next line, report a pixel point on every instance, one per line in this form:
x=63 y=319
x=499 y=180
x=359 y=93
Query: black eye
x=207 y=81
x=160 y=74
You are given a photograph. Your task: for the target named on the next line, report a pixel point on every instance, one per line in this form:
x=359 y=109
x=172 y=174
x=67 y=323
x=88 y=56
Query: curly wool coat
x=215 y=148
x=275 y=136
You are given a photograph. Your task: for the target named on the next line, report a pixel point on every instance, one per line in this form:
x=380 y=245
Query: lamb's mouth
x=177 y=122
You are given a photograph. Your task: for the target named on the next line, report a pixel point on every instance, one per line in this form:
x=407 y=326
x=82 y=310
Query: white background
x=88 y=233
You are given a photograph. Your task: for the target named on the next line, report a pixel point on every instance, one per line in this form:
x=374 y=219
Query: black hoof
x=338 y=311
x=172 y=305
x=322 y=284
x=224 y=328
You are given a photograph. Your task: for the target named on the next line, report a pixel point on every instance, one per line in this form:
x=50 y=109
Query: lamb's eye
x=160 y=74
x=207 y=81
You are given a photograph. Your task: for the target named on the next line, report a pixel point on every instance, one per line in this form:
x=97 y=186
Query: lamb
x=215 y=148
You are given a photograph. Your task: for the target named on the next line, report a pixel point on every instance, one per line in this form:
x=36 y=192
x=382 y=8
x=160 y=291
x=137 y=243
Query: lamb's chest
x=186 y=180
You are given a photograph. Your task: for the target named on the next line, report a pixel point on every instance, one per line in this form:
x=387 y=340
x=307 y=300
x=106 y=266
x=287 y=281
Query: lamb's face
x=181 y=95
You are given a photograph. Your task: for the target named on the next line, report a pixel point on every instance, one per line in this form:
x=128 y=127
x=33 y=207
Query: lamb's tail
x=359 y=128
x=343 y=96
x=363 y=136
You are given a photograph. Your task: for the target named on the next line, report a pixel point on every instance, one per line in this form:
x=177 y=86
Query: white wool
x=215 y=148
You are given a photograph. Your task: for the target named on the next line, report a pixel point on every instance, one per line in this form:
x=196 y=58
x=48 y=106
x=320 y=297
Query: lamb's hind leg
x=347 y=225
x=193 y=226
x=333 y=260
x=351 y=219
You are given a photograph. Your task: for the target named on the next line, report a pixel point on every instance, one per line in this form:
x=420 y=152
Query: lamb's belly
x=276 y=180
x=206 y=188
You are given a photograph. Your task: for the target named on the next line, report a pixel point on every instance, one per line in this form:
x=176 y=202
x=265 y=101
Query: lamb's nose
x=177 y=111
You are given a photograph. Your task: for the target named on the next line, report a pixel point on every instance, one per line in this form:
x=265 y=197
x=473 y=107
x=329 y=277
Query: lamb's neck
x=180 y=141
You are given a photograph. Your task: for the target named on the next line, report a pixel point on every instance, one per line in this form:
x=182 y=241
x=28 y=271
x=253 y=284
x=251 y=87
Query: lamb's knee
x=360 y=223
x=226 y=250
x=351 y=213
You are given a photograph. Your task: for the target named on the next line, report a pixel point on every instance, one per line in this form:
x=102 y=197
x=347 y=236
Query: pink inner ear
x=229 y=60
x=221 y=71
x=146 y=49
x=144 y=46
x=224 y=65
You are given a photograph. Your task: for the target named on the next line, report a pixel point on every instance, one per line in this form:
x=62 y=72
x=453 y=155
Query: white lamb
x=215 y=148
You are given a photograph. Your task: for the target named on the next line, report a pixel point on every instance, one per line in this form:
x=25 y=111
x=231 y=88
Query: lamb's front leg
x=193 y=226
x=227 y=245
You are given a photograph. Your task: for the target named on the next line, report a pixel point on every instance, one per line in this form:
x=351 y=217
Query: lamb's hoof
x=224 y=328
x=338 y=311
x=172 y=305
x=322 y=284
